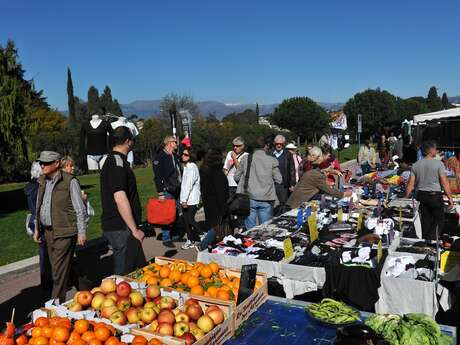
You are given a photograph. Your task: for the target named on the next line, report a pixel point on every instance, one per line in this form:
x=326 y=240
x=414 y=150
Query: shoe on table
x=169 y=244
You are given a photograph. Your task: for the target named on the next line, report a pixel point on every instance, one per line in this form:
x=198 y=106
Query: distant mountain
x=455 y=99
x=148 y=108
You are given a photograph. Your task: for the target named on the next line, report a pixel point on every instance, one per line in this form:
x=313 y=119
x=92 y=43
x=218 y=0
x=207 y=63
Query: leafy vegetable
x=333 y=312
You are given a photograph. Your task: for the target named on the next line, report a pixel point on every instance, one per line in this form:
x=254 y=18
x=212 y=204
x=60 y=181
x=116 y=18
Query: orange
x=54 y=342
x=193 y=281
x=194 y=273
x=223 y=294
x=164 y=272
x=225 y=287
x=184 y=278
x=111 y=341
x=47 y=332
x=53 y=322
x=236 y=282
x=212 y=291
x=139 y=340
x=102 y=333
x=41 y=322
x=214 y=267
x=22 y=339
x=166 y=282
x=152 y=280
x=94 y=341
x=81 y=326
x=65 y=323
x=206 y=272
x=88 y=335
x=175 y=276
x=74 y=336
x=41 y=341
x=76 y=342
x=155 y=341
x=197 y=290
x=36 y=332
x=60 y=334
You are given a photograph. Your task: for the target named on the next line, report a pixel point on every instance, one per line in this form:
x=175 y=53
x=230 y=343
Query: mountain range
x=147 y=108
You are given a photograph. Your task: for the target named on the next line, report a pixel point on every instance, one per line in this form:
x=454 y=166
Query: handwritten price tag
x=313 y=228
x=359 y=225
x=379 y=251
x=288 y=249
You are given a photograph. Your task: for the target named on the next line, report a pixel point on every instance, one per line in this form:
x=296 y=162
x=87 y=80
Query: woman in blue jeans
x=214 y=194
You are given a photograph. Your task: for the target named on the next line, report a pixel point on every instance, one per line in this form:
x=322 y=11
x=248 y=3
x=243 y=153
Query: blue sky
x=237 y=51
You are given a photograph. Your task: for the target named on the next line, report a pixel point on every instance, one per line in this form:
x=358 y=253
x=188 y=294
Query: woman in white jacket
x=190 y=198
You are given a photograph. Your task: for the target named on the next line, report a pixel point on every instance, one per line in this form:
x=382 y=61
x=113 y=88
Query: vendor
x=367 y=157
x=313 y=182
x=428 y=176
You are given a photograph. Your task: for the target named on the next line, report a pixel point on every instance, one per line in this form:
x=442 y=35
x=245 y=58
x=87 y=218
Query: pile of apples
x=190 y=322
x=121 y=304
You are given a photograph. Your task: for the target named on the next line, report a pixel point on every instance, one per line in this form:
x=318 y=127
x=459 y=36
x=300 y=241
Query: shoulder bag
x=239 y=204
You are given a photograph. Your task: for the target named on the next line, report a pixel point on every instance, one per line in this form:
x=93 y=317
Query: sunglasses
x=279 y=144
x=46 y=163
x=237 y=145
x=186 y=155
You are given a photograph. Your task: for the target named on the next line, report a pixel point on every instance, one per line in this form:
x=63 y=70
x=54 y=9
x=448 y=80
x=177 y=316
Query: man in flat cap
x=61 y=218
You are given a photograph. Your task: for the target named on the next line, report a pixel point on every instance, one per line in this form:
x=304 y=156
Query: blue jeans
x=262 y=210
x=166 y=231
x=208 y=239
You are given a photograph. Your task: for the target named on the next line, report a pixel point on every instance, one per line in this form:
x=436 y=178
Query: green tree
x=173 y=103
x=248 y=116
x=48 y=120
x=71 y=100
x=150 y=139
x=445 y=101
x=302 y=116
x=432 y=100
x=105 y=101
x=413 y=106
x=378 y=109
x=257 y=110
x=93 y=100
x=115 y=108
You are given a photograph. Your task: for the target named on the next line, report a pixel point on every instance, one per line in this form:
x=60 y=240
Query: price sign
x=288 y=249
x=449 y=259
x=379 y=251
x=313 y=228
x=359 y=225
x=340 y=215
x=247 y=282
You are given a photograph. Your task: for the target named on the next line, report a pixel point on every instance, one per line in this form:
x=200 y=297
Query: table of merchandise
x=284 y=322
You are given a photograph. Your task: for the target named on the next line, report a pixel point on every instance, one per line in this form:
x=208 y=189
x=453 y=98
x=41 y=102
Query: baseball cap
x=49 y=156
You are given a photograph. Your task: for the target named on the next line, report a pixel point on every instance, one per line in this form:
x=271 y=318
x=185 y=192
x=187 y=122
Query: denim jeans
x=262 y=210
x=208 y=239
x=166 y=231
x=128 y=254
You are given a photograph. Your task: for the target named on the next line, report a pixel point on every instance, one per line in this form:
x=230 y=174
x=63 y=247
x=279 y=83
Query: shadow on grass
x=12 y=201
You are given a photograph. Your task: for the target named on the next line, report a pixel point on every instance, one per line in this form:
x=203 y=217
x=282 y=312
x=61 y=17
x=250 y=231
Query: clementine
x=36 y=332
x=197 y=290
x=139 y=340
x=184 y=278
x=88 y=335
x=155 y=341
x=111 y=341
x=81 y=326
x=21 y=340
x=214 y=267
x=47 y=332
x=41 y=321
x=152 y=280
x=223 y=294
x=94 y=341
x=192 y=281
x=102 y=333
x=212 y=291
x=166 y=282
x=165 y=272
x=60 y=334
x=206 y=272
x=175 y=276
x=41 y=340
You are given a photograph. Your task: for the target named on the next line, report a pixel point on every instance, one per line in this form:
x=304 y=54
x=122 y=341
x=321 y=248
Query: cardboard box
x=220 y=334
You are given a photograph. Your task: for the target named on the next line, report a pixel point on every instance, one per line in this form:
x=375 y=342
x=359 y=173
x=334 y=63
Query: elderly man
x=287 y=169
x=61 y=219
x=313 y=182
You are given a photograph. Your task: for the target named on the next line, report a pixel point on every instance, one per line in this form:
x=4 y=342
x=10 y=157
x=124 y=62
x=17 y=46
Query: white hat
x=291 y=146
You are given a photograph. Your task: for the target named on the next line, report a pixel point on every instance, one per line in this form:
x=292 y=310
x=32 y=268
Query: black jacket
x=165 y=172
x=31 y=191
x=287 y=168
x=214 y=194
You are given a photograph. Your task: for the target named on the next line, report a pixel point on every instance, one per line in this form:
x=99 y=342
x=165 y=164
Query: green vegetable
x=332 y=311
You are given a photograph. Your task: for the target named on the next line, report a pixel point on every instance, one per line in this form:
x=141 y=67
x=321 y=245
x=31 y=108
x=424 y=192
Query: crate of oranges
x=207 y=280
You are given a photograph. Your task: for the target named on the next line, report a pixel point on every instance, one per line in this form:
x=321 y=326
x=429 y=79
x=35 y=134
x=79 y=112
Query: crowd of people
x=274 y=176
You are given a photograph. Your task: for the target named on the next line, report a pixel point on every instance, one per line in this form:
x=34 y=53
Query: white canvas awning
x=442 y=114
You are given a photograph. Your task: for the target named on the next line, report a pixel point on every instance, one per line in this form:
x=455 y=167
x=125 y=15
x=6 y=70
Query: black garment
x=409 y=154
x=191 y=226
x=214 y=194
x=31 y=192
x=287 y=168
x=431 y=213
x=117 y=175
x=94 y=141
x=166 y=169
x=128 y=254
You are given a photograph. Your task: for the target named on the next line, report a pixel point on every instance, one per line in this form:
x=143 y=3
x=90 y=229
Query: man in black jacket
x=167 y=171
x=287 y=168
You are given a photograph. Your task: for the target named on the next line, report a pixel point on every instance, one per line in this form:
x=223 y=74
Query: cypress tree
x=106 y=101
x=71 y=100
x=257 y=109
x=433 y=101
x=93 y=100
x=445 y=101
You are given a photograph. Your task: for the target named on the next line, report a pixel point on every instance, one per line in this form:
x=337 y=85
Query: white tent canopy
x=454 y=112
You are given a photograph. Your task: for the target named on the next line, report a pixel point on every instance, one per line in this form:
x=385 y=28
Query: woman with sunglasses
x=190 y=198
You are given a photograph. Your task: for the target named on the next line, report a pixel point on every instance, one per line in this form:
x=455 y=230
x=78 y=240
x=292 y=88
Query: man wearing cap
x=62 y=218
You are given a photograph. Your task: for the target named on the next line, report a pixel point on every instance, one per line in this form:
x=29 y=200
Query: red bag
x=161 y=212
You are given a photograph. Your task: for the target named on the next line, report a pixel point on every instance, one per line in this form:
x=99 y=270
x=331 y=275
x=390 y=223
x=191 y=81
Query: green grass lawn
x=16 y=245
x=349 y=153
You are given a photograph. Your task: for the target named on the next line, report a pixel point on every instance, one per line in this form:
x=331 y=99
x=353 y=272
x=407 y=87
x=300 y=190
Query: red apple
x=136 y=298
x=157 y=300
x=148 y=315
x=191 y=301
x=182 y=317
x=166 y=316
x=108 y=285
x=167 y=302
x=205 y=323
x=189 y=338
x=153 y=291
x=123 y=303
x=123 y=289
x=133 y=315
x=194 y=311
x=165 y=329
x=180 y=328
x=108 y=311
x=118 y=318
x=216 y=315
x=98 y=299
x=85 y=298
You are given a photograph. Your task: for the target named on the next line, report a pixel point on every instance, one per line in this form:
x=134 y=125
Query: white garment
x=190 y=185
x=230 y=167
x=122 y=121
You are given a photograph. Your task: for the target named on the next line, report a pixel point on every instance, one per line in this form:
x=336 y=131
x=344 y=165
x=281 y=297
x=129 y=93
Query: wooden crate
x=243 y=311
x=217 y=336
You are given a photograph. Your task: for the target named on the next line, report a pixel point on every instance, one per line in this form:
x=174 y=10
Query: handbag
x=239 y=203
x=161 y=212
